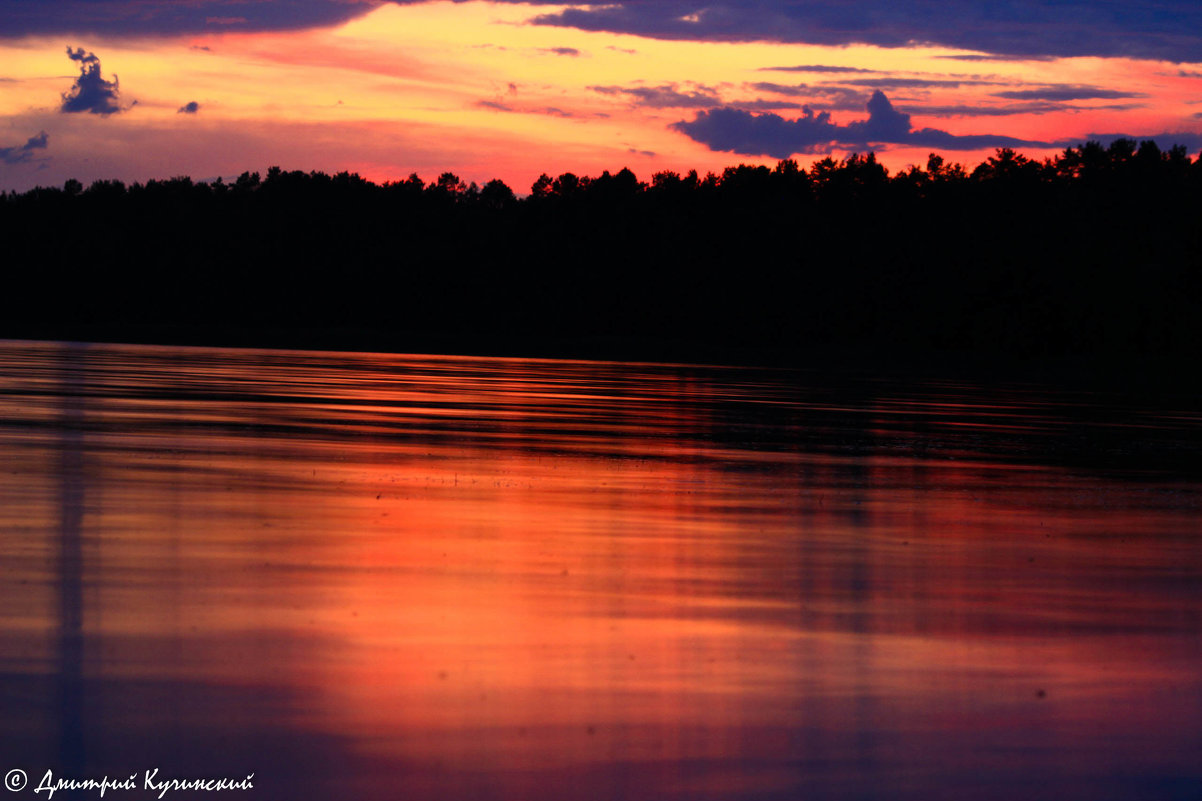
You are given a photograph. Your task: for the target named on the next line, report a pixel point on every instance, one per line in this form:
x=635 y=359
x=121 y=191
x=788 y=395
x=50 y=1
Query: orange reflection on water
x=474 y=578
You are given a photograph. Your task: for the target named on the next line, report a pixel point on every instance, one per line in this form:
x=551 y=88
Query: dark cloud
x=920 y=83
x=21 y=154
x=1022 y=29
x=995 y=57
x=169 y=17
x=1111 y=107
x=636 y=152
x=193 y=107
x=817 y=68
x=561 y=51
x=1166 y=29
x=942 y=140
x=884 y=123
x=91 y=92
x=1060 y=93
x=739 y=131
x=667 y=96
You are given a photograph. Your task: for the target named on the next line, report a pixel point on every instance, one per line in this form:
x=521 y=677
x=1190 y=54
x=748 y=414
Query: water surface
x=401 y=577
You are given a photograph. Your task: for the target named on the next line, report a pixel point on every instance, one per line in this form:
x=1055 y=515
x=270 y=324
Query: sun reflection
x=497 y=576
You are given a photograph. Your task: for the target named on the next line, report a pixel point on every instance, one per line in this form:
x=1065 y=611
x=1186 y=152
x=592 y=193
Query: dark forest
x=1093 y=256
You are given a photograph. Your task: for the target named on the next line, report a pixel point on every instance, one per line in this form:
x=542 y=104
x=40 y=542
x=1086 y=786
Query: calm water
x=392 y=577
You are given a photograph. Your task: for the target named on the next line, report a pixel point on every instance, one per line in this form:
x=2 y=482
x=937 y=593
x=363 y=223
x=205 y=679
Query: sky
x=141 y=89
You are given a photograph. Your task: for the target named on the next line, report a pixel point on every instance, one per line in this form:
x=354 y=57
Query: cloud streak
x=966 y=110
x=23 y=154
x=1061 y=94
x=496 y=105
x=667 y=96
x=820 y=68
x=824 y=97
x=919 y=83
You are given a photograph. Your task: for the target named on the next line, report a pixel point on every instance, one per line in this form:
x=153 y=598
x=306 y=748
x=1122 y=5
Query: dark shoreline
x=1084 y=270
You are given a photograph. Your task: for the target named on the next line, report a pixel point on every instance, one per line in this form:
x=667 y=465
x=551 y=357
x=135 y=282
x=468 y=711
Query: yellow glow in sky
x=476 y=89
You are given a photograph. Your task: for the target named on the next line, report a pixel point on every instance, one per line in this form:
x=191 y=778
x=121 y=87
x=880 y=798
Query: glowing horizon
x=474 y=88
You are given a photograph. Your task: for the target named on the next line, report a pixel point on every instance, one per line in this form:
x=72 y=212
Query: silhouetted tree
x=496 y=194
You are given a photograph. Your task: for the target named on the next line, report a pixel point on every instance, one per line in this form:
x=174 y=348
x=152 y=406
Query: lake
x=375 y=576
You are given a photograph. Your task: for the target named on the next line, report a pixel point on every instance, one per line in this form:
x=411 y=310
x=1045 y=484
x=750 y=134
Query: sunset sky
x=139 y=89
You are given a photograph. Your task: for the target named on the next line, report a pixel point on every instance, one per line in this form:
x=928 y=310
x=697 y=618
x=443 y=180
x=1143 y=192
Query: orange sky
x=471 y=88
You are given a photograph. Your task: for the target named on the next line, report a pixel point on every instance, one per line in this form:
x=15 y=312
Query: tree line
x=1092 y=253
